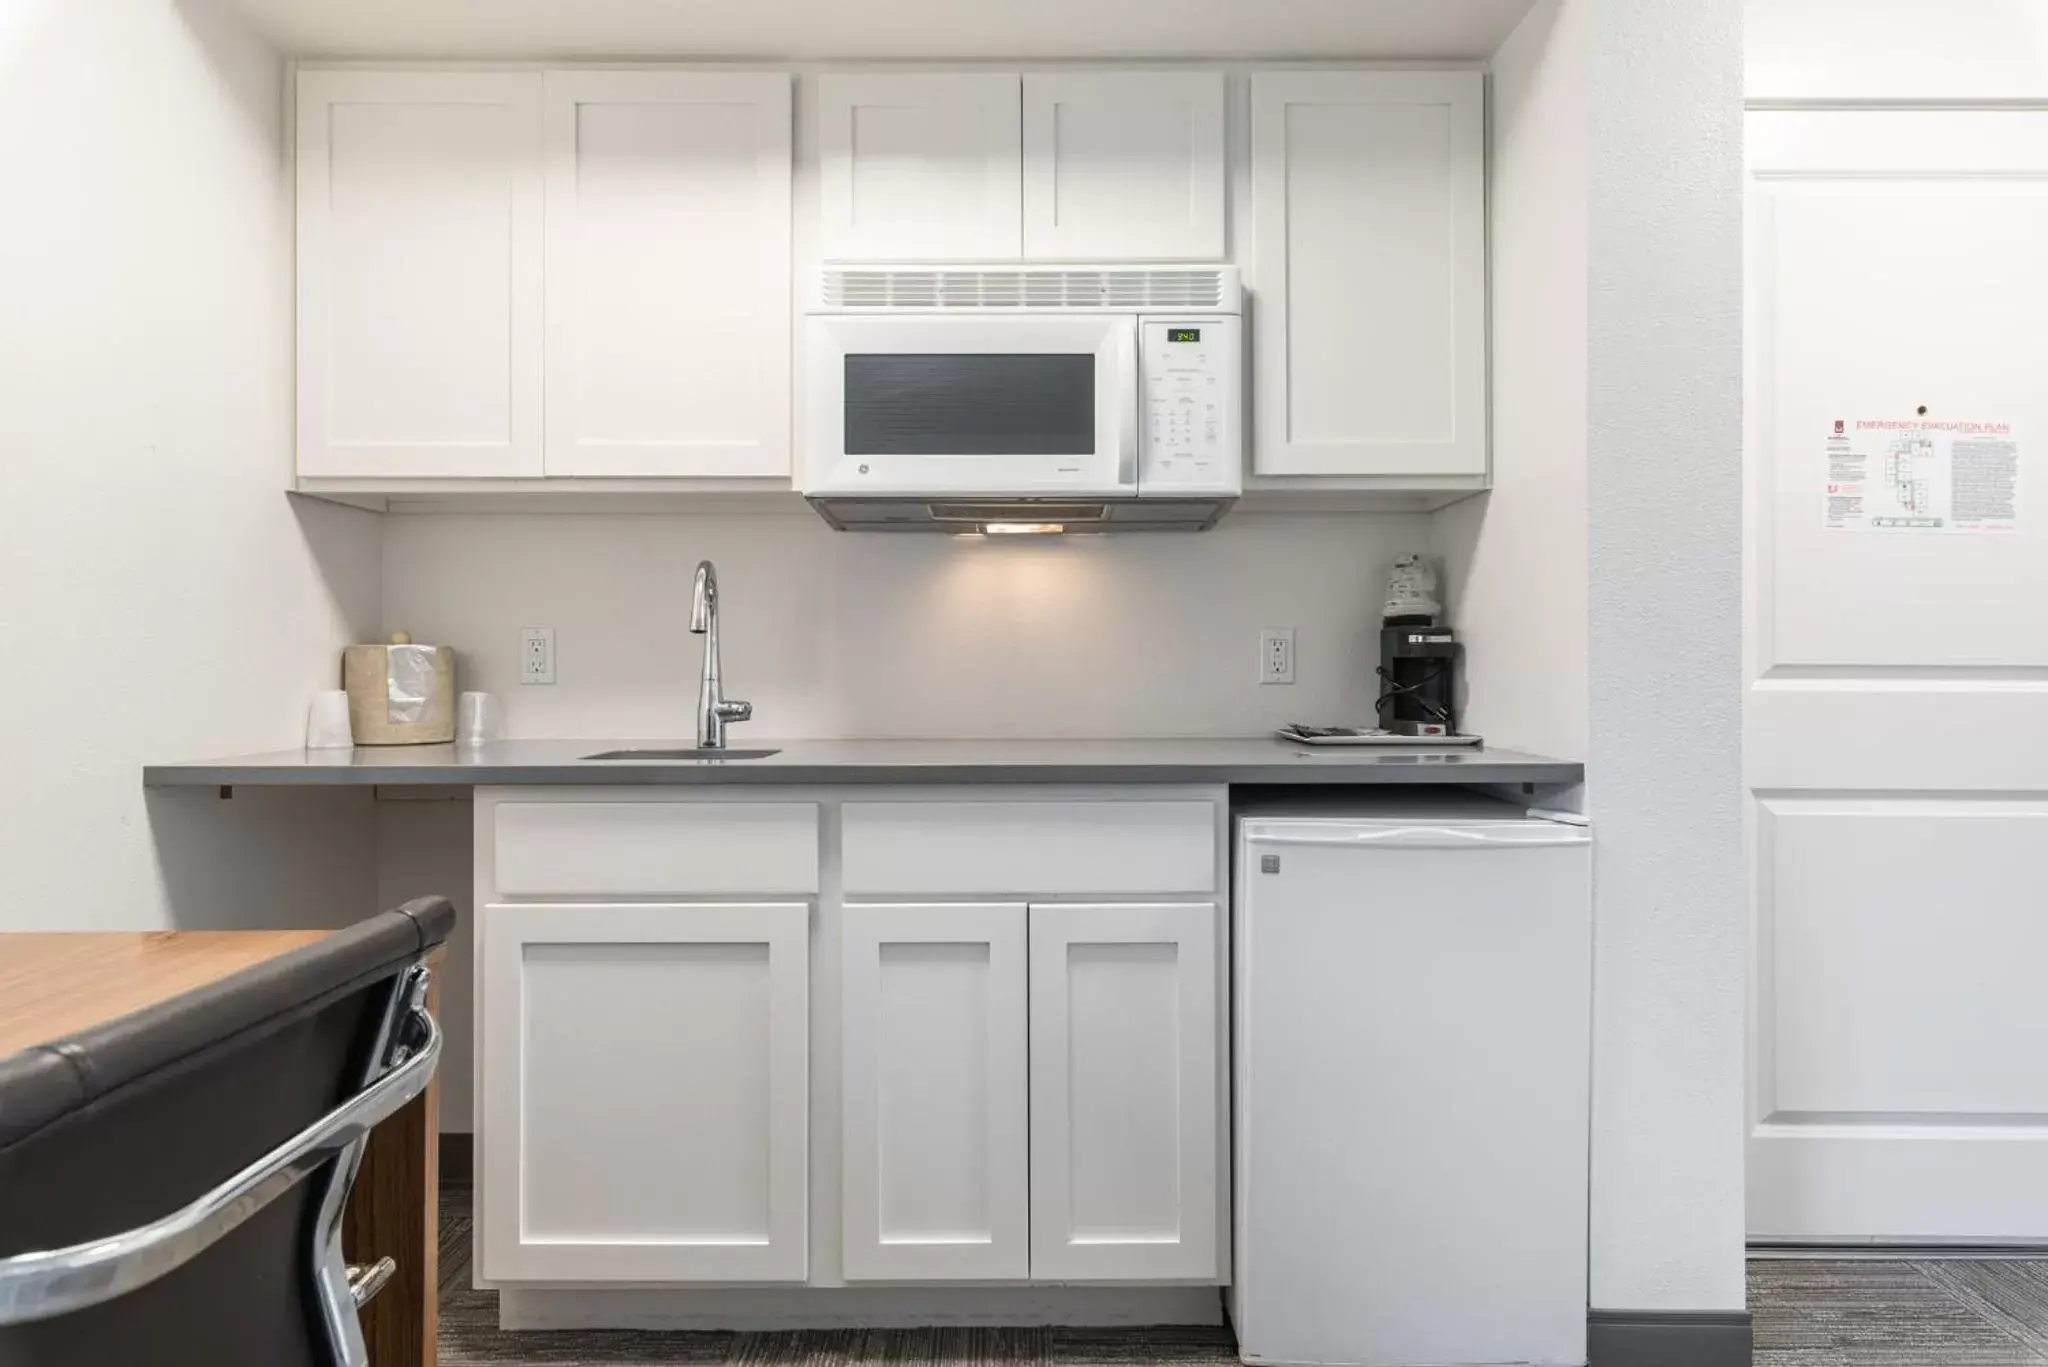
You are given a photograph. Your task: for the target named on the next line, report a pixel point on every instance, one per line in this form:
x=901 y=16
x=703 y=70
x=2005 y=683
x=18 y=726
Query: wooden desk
x=53 y=985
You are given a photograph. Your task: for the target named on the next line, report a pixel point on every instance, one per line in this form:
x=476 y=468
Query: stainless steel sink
x=681 y=754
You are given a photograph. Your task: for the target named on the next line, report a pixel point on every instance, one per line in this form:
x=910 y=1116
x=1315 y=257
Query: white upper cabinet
x=922 y=167
x=989 y=166
x=419 y=273
x=1368 y=264
x=668 y=273
x=588 y=273
x=1123 y=165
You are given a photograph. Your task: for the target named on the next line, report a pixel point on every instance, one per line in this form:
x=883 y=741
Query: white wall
x=1897 y=49
x=1616 y=405
x=1514 y=559
x=1664 y=759
x=162 y=599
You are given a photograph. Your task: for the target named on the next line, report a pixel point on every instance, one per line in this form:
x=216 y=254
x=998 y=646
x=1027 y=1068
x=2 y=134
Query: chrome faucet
x=713 y=711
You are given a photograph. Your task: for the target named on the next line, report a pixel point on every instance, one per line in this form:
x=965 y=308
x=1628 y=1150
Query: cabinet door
x=668 y=273
x=919 y=167
x=419 y=273
x=1123 y=166
x=1127 y=1156
x=1369 y=265
x=643 y=1092
x=934 y=1093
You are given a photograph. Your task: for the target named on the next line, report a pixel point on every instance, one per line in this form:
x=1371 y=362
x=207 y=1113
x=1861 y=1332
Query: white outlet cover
x=1276 y=655
x=536 y=655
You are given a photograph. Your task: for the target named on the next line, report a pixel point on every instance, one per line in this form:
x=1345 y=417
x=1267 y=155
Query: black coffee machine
x=1418 y=677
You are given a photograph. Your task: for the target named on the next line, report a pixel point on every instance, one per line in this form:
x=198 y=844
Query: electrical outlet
x=536 y=655
x=1276 y=655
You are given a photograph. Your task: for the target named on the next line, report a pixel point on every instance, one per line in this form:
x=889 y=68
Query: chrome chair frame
x=404 y=1054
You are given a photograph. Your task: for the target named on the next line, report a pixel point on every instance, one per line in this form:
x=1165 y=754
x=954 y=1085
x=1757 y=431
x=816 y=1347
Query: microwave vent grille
x=974 y=288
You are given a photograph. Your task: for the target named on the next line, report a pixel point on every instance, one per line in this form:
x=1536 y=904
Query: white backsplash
x=843 y=635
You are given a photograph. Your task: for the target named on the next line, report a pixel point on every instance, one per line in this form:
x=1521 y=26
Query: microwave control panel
x=1191 y=374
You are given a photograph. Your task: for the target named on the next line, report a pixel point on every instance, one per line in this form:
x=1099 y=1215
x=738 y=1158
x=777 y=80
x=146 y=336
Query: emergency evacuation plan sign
x=1920 y=475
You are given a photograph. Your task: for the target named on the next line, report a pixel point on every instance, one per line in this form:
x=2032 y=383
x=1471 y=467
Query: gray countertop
x=1248 y=760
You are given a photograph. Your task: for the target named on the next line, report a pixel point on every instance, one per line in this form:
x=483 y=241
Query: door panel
x=1924 y=1014
x=1897 y=710
x=419 y=273
x=668 y=325
x=934 y=1093
x=920 y=166
x=1369 y=265
x=644 y=1092
x=1123 y=165
x=1126 y=1151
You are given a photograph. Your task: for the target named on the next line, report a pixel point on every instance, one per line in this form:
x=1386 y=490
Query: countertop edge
x=688 y=774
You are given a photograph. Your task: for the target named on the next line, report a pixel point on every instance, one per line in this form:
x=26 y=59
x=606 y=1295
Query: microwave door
x=1011 y=406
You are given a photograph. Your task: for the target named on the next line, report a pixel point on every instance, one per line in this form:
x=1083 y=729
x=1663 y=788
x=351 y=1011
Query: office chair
x=172 y=1183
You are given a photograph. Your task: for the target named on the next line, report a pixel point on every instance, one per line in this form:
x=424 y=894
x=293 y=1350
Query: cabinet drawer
x=655 y=849
x=1030 y=847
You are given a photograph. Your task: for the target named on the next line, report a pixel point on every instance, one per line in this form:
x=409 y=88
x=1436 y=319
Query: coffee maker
x=1418 y=668
x=1418 y=678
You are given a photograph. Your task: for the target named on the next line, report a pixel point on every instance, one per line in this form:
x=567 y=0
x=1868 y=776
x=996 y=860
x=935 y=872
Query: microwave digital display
x=1183 y=334
x=970 y=404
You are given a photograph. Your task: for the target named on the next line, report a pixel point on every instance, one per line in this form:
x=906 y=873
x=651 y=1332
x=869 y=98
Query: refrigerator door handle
x=1429 y=837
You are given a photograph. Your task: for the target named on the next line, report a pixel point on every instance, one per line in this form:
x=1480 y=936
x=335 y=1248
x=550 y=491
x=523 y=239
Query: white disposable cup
x=476 y=718
x=327 y=722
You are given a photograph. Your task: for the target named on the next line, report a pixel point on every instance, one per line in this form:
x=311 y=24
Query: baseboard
x=758 y=1308
x=458 y=1160
x=1668 y=1338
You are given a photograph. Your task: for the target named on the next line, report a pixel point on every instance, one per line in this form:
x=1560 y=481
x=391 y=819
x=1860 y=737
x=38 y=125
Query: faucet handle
x=703 y=597
x=734 y=710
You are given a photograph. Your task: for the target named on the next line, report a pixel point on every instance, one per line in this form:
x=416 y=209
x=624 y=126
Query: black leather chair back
x=117 y=1127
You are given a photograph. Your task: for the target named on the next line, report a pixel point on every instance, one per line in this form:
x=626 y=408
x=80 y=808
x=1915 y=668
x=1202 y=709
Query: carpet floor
x=1960 y=1312
x=1808 y=1313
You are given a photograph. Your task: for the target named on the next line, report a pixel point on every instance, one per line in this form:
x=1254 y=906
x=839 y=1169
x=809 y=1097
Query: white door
x=1123 y=165
x=1368 y=266
x=1127 y=1159
x=919 y=166
x=419 y=273
x=934 y=1093
x=1897 y=708
x=644 y=1089
x=668 y=273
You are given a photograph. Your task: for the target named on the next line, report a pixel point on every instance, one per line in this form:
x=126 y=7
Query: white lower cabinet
x=1008 y=1013
x=643 y=1093
x=933 y=1093
x=1118 y=1174
x=1127 y=1165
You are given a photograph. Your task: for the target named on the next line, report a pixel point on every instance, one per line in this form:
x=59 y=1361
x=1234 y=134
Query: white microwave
x=996 y=398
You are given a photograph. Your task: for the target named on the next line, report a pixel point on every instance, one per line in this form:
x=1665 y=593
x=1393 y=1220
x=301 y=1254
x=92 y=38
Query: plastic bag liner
x=409 y=683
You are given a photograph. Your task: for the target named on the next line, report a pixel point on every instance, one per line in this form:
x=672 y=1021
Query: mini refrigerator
x=1412 y=996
